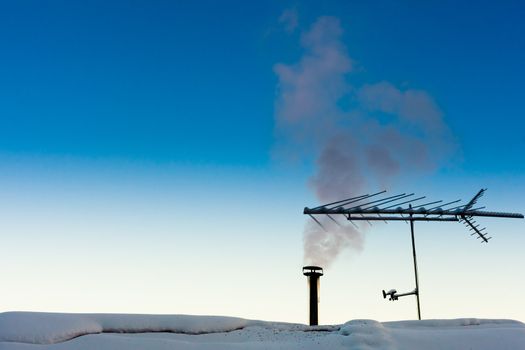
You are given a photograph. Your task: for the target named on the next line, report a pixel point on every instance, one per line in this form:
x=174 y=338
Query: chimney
x=313 y=273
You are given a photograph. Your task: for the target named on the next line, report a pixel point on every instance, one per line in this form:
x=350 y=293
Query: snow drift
x=49 y=328
x=49 y=331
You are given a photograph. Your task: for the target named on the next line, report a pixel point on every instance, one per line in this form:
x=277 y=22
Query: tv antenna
x=403 y=207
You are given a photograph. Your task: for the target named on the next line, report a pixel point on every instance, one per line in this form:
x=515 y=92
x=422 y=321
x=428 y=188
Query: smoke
x=358 y=136
x=289 y=19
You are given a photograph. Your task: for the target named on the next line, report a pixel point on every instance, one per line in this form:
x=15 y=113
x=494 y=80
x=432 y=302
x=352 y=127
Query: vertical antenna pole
x=415 y=264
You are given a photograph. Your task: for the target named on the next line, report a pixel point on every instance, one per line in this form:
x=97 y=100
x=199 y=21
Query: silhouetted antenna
x=475 y=199
x=318 y=223
x=363 y=209
x=334 y=220
x=349 y=200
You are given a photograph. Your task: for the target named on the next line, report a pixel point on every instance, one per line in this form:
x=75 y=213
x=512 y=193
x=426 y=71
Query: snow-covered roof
x=30 y=330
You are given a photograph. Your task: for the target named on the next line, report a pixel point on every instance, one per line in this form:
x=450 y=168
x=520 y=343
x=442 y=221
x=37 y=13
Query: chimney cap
x=312 y=270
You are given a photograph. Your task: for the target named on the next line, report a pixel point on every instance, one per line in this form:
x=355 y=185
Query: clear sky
x=141 y=165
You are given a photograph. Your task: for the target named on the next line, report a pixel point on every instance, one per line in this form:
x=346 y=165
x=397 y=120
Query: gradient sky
x=138 y=167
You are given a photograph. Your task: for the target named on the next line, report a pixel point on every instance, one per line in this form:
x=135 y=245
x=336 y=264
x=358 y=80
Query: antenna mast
x=394 y=208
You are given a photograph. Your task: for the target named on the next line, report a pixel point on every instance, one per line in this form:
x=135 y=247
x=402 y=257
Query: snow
x=48 y=328
x=50 y=331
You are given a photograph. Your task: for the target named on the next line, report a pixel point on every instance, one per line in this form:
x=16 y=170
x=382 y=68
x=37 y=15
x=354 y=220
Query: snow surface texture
x=49 y=331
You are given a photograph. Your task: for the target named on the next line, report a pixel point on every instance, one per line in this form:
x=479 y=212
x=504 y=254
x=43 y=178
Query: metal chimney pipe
x=313 y=273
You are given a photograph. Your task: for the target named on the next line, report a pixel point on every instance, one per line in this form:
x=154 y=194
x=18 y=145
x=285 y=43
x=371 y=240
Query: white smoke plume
x=358 y=136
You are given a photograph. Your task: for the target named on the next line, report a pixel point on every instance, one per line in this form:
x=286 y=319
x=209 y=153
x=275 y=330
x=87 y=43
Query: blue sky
x=131 y=127
x=130 y=80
